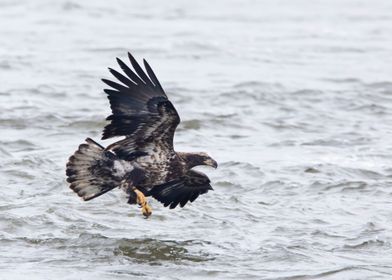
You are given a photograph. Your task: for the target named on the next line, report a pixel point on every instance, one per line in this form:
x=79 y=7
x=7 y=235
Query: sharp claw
x=142 y=202
x=146 y=210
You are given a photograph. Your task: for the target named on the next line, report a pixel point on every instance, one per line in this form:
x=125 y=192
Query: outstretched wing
x=141 y=111
x=182 y=190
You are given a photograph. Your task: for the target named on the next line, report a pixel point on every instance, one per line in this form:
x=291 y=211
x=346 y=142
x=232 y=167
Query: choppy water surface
x=293 y=98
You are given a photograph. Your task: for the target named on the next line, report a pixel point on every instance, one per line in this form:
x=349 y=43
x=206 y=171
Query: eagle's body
x=144 y=163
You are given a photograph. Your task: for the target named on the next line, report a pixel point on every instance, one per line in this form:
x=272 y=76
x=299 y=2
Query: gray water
x=293 y=99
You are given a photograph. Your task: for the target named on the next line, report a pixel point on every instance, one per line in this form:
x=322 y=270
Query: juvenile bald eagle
x=144 y=163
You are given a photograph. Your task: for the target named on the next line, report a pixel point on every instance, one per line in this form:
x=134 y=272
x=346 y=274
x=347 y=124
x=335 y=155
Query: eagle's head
x=207 y=160
x=196 y=159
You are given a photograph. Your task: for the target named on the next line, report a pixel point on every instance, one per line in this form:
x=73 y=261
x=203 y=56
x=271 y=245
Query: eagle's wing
x=141 y=112
x=182 y=190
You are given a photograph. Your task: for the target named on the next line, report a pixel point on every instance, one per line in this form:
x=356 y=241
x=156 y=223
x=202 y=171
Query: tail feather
x=89 y=170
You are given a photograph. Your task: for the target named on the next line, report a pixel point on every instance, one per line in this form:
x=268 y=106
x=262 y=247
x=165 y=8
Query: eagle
x=143 y=163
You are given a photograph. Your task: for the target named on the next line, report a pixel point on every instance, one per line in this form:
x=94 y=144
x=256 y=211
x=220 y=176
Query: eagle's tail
x=89 y=170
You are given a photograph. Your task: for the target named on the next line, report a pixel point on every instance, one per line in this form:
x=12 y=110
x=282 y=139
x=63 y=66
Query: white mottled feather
x=121 y=167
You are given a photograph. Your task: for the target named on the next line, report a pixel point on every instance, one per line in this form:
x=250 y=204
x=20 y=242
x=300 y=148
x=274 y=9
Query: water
x=293 y=99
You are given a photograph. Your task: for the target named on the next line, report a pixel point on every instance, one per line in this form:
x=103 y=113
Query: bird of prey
x=144 y=163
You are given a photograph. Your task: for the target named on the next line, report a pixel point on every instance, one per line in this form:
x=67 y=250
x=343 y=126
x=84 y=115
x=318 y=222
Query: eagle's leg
x=142 y=201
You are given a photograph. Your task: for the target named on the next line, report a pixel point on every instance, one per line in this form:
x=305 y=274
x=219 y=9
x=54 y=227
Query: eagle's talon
x=146 y=210
x=142 y=202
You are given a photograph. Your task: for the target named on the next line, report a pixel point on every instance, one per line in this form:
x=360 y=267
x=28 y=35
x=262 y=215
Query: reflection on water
x=156 y=251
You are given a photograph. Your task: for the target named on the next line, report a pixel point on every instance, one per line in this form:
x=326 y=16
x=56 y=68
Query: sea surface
x=292 y=98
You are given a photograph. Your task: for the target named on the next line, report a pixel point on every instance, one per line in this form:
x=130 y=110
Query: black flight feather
x=182 y=190
x=122 y=78
x=139 y=71
x=140 y=111
x=116 y=86
x=129 y=72
x=152 y=76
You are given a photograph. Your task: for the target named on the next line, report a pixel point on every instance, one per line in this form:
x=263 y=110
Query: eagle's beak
x=211 y=162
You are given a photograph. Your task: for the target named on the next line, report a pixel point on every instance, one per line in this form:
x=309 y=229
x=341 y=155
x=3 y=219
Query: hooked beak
x=211 y=162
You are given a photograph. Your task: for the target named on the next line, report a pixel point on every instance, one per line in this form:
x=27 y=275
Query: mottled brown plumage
x=144 y=162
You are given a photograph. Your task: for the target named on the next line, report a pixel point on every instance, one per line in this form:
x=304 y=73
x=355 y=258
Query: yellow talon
x=142 y=201
x=146 y=210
